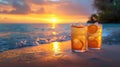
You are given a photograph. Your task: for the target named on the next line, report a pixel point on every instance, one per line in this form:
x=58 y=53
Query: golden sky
x=45 y=11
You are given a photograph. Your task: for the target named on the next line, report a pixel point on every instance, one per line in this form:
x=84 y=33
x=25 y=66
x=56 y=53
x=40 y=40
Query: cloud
x=20 y=7
x=39 y=2
x=68 y=7
x=72 y=9
x=38 y=11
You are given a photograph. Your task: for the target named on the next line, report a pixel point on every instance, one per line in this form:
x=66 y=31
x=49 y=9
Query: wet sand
x=58 y=54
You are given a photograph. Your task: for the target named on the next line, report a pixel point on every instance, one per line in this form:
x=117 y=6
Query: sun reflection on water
x=56 y=47
x=53 y=26
x=54 y=33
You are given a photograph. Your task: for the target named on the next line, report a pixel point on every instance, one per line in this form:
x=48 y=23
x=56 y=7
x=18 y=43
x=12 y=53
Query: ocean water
x=13 y=36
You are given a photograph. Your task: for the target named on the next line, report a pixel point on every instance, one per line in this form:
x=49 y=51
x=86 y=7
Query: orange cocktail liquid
x=94 y=36
x=79 y=38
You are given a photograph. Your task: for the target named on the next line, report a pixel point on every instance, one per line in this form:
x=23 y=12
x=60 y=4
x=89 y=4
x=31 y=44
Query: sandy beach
x=58 y=54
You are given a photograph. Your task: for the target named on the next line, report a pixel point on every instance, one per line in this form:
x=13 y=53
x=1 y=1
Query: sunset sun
x=54 y=20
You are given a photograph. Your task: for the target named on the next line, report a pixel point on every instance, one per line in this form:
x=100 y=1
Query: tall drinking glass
x=95 y=36
x=79 y=37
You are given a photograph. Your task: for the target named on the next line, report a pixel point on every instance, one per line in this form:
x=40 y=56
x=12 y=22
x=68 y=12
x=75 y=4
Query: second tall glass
x=79 y=37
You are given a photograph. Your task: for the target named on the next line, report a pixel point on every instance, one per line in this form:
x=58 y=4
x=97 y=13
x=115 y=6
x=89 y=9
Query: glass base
x=96 y=48
x=78 y=50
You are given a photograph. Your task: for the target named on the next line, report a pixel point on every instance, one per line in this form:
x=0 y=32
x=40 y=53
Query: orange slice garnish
x=92 y=29
x=93 y=43
x=77 y=44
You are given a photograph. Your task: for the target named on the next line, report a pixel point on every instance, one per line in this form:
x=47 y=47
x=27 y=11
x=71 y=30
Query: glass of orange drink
x=94 y=36
x=79 y=37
